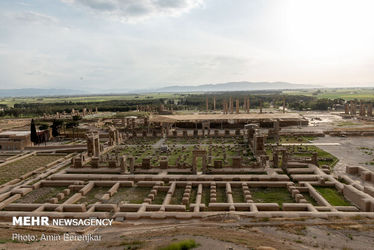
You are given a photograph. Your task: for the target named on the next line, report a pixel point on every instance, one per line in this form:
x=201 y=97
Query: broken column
x=276 y=129
x=370 y=110
x=275 y=158
x=258 y=142
x=123 y=165
x=353 y=108
x=346 y=108
x=362 y=109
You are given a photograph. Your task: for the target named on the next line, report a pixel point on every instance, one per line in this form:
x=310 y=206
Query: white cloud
x=35 y=17
x=135 y=10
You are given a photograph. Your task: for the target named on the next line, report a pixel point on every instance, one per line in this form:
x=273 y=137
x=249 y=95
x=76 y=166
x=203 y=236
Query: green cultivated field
x=94 y=98
x=346 y=94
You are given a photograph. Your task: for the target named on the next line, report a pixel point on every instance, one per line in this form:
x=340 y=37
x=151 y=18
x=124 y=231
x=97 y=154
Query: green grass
x=94 y=195
x=205 y=198
x=310 y=199
x=293 y=139
x=221 y=195
x=333 y=196
x=181 y=245
x=93 y=98
x=347 y=123
x=237 y=195
x=159 y=198
x=344 y=93
x=141 y=151
x=40 y=195
x=18 y=168
x=192 y=198
x=176 y=199
x=130 y=195
x=271 y=195
x=331 y=159
x=3 y=241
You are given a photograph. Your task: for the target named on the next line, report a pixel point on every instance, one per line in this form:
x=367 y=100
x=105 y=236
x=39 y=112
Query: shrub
x=181 y=245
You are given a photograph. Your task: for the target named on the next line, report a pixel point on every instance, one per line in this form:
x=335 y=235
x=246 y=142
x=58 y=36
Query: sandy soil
x=219 y=232
x=349 y=152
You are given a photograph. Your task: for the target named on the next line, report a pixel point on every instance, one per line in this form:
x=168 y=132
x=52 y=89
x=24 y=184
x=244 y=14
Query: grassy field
x=93 y=98
x=130 y=195
x=333 y=196
x=346 y=94
x=40 y=195
x=271 y=195
x=94 y=195
x=324 y=158
x=18 y=168
x=292 y=139
x=179 y=151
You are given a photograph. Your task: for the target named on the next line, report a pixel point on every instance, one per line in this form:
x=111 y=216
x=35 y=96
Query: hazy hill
x=28 y=92
x=229 y=86
x=236 y=86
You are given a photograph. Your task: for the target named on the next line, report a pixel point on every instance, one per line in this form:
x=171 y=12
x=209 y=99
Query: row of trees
x=187 y=101
x=38 y=137
x=57 y=125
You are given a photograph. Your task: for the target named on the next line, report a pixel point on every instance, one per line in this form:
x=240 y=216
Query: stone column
x=204 y=165
x=131 y=165
x=97 y=146
x=362 y=109
x=214 y=103
x=231 y=106
x=276 y=131
x=284 y=159
x=237 y=106
x=370 y=110
x=259 y=142
x=194 y=168
x=95 y=162
x=123 y=165
x=346 y=108
x=353 y=108
x=275 y=158
x=248 y=105
x=315 y=158
x=207 y=104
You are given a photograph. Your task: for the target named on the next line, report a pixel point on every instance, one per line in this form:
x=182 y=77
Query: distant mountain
x=236 y=86
x=32 y=92
x=229 y=86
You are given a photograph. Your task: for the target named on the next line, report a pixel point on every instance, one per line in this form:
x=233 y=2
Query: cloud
x=35 y=17
x=135 y=10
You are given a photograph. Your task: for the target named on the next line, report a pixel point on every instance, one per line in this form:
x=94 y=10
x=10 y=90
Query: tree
x=43 y=127
x=34 y=136
x=56 y=125
x=72 y=125
x=76 y=118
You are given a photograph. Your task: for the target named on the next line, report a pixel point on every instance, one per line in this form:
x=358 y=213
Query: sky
x=145 y=44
